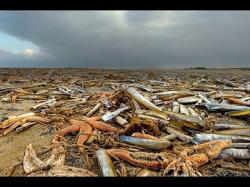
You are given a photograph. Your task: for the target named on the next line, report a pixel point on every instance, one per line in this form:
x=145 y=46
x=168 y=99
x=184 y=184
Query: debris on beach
x=118 y=123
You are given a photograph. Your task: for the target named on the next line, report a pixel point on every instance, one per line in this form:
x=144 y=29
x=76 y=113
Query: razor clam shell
x=206 y=100
x=92 y=111
x=146 y=143
x=176 y=107
x=225 y=107
x=146 y=173
x=110 y=115
x=192 y=112
x=242 y=113
x=105 y=163
x=220 y=126
x=59 y=96
x=183 y=117
x=173 y=116
x=184 y=110
x=169 y=93
x=235 y=154
x=240 y=145
x=169 y=137
x=155 y=119
x=181 y=136
x=188 y=100
x=245 y=98
x=141 y=99
x=50 y=102
x=32 y=97
x=236 y=131
x=198 y=138
x=25 y=126
x=120 y=120
x=239 y=132
x=144 y=88
x=29 y=114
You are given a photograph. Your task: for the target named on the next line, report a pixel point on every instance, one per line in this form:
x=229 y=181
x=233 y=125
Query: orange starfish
x=179 y=162
x=85 y=129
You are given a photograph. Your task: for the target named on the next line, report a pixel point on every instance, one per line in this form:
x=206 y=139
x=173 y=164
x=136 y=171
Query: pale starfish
x=54 y=166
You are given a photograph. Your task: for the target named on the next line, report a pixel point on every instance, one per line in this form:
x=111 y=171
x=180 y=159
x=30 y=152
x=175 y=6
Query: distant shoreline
x=129 y=69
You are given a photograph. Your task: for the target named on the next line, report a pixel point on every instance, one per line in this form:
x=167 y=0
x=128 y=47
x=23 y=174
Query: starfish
x=184 y=161
x=85 y=129
x=54 y=166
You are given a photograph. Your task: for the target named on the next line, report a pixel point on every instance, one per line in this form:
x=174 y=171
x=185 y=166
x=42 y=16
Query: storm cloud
x=128 y=39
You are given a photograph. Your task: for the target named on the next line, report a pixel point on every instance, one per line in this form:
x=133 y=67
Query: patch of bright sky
x=15 y=45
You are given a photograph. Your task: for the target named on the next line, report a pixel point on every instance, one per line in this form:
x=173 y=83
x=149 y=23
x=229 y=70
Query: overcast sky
x=124 y=39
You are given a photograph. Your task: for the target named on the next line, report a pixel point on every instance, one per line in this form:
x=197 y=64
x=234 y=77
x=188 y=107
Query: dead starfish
x=54 y=166
x=193 y=157
x=137 y=124
x=142 y=159
x=183 y=162
x=85 y=129
x=12 y=123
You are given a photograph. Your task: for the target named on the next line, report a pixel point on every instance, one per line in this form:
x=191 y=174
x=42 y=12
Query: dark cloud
x=131 y=39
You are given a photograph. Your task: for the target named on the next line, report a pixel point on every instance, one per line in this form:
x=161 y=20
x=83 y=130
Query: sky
x=125 y=39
